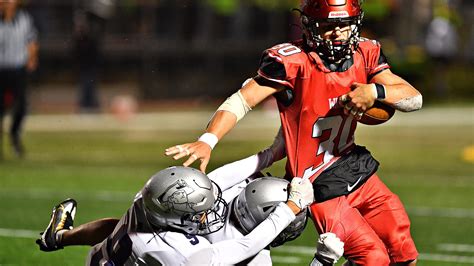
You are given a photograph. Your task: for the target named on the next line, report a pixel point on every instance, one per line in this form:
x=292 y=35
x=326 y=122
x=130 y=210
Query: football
x=377 y=114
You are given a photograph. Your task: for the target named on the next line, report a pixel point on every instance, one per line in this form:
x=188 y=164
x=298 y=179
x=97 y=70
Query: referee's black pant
x=13 y=81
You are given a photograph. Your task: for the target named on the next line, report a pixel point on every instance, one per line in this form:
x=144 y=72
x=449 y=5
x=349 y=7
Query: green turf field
x=102 y=163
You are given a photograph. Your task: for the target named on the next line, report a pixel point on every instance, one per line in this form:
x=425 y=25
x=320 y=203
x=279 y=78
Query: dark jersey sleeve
x=272 y=73
x=272 y=68
x=375 y=59
x=283 y=63
x=382 y=64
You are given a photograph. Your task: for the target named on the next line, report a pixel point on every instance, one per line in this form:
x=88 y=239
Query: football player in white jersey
x=180 y=212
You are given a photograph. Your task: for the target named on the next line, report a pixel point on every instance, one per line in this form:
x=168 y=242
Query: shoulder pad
x=368 y=43
x=291 y=57
x=288 y=52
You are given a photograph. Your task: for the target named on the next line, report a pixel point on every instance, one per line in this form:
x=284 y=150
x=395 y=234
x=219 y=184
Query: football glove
x=301 y=192
x=329 y=250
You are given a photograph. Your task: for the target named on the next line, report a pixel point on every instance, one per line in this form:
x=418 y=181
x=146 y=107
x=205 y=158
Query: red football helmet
x=316 y=15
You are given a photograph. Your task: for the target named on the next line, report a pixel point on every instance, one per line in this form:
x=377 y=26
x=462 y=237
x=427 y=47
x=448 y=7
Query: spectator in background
x=18 y=57
x=89 y=27
x=87 y=31
x=442 y=42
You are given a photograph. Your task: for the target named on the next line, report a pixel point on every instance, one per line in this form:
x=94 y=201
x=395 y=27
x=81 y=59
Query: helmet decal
x=336 y=2
x=178 y=200
x=338 y=14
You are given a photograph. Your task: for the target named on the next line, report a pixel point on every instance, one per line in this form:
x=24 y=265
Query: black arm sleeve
x=271 y=68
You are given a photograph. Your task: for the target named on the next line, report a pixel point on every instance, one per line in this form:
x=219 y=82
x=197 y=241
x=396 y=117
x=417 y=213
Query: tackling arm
x=233 y=251
x=233 y=173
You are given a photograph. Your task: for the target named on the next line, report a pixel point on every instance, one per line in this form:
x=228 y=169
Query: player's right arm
x=280 y=67
x=233 y=251
x=223 y=121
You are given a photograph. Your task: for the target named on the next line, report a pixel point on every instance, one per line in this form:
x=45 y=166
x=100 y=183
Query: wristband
x=319 y=260
x=380 y=91
x=209 y=138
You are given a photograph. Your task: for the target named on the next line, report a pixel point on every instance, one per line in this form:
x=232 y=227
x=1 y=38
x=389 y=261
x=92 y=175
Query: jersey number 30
x=334 y=134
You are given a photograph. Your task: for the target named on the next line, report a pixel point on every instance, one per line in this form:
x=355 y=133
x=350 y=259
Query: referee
x=18 y=57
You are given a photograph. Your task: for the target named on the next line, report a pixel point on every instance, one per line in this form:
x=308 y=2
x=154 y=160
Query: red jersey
x=315 y=128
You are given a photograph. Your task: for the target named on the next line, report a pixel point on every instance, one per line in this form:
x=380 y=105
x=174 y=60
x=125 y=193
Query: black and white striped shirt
x=15 y=35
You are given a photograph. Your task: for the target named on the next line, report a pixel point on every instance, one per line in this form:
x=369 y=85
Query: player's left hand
x=196 y=150
x=358 y=100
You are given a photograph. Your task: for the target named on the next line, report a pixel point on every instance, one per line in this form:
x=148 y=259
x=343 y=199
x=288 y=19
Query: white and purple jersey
x=135 y=242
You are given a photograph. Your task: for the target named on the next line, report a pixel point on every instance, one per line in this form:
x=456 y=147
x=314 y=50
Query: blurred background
x=203 y=50
x=115 y=82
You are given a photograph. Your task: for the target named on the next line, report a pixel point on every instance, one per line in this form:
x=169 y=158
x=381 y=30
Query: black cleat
x=62 y=218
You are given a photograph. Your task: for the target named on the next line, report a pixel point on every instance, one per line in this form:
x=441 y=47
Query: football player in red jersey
x=323 y=85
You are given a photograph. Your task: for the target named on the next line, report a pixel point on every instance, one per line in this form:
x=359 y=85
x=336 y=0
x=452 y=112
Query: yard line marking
x=455 y=247
x=286 y=259
x=304 y=250
x=18 y=233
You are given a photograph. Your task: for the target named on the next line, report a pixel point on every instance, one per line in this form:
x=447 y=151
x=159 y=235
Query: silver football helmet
x=258 y=200
x=185 y=199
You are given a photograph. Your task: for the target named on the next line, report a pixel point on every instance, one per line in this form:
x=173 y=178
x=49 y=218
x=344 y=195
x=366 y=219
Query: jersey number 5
x=192 y=239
